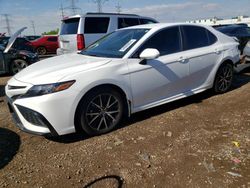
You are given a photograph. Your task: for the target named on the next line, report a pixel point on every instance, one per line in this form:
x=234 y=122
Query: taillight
x=80 y=42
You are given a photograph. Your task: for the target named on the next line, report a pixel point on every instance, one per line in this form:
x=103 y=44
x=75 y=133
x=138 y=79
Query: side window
x=147 y=21
x=95 y=25
x=194 y=37
x=166 y=41
x=126 y=22
x=52 y=39
x=211 y=38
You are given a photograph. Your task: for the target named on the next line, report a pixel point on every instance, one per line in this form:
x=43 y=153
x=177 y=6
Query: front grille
x=33 y=117
x=16 y=87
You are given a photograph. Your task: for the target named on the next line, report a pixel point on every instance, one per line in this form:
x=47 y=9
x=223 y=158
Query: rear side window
x=69 y=26
x=211 y=38
x=147 y=21
x=52 y=39
x=127 y=22
x=96 y=25
x=194 y=37
x=166 y=41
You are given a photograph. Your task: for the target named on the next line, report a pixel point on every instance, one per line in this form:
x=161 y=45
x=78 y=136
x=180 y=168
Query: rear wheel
x=41 y=50
x=101 y=111
x=224 y=78
x=17 y=65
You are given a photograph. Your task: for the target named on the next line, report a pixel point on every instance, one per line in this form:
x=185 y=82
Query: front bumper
x=51 y=114
x=32 y=117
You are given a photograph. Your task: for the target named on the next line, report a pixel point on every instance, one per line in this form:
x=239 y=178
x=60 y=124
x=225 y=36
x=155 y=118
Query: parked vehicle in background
x=19 y=44
x=45 y=45
x=13 y=60
x=32 y=37
x=78 y=32
x=246 y=52
x=241 y=32
x=127 y=71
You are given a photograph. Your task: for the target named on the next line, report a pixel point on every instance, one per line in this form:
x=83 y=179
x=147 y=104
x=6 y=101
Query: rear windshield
x=69 y=26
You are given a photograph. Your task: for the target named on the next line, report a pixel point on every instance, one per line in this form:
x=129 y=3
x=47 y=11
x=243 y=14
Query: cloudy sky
x=46 y=13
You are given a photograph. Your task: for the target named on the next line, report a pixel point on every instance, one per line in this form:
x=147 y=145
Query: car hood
x=54 y=69
x=13 y=38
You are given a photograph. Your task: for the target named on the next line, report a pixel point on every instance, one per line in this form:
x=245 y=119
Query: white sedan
x=127 y=71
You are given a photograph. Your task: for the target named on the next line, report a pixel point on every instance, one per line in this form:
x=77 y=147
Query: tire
x=224 y=78
x=17 y=65
x=41 y=50
x=101 y=111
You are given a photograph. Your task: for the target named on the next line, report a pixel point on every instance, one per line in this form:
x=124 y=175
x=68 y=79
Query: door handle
x=182 y=59
x=217 y=51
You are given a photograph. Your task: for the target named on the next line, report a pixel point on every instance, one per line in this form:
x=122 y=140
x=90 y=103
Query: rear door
x=202 y=52
x=95 y=28
x=68 y=34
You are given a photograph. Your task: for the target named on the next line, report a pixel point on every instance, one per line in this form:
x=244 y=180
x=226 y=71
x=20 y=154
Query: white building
x=216 y=21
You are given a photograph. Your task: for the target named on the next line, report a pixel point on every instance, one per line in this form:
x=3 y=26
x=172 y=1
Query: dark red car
x=45 y=45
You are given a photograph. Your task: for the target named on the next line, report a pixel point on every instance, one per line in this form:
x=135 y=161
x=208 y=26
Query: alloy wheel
x=224 y=78
x=103 y=112
x=41 y=50
x=18 y=65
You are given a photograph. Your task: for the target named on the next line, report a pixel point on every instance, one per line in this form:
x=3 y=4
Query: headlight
x=39 y=90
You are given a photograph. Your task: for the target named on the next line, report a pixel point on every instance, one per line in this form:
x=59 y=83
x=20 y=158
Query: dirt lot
x=201 y=141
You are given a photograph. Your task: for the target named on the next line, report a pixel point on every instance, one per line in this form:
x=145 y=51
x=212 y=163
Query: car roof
x=101 y=14
x=163 y=25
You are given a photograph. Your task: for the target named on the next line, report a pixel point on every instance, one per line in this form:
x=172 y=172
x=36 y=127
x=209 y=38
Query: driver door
x=159 y=78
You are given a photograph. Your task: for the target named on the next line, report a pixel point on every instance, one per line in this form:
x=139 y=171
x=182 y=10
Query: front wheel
x=17 y=65
x=224 y=78
x=101 y=111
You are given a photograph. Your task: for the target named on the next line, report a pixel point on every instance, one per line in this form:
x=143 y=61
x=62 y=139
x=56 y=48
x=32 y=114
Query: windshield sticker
x=126 y=46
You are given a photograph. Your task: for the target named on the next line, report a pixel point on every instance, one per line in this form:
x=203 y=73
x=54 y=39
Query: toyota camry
x=125 y=72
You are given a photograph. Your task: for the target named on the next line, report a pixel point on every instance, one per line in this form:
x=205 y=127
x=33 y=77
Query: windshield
x=116 y=44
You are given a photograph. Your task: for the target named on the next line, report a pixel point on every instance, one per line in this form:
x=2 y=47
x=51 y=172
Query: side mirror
x=149 y=53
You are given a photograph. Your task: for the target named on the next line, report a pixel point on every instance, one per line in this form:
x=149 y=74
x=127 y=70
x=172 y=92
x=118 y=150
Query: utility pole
x=33 y=27
x=99 y=4
x=62 y=11
x=7 y=21
x=73 y=7
x=118 y=7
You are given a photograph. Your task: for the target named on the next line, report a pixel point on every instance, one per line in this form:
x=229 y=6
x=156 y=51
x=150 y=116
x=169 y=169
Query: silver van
x=79 y=31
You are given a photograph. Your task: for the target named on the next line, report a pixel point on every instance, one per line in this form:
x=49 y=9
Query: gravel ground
x=200 y=141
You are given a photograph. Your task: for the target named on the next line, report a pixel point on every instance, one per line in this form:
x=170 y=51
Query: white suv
x=79 y=31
